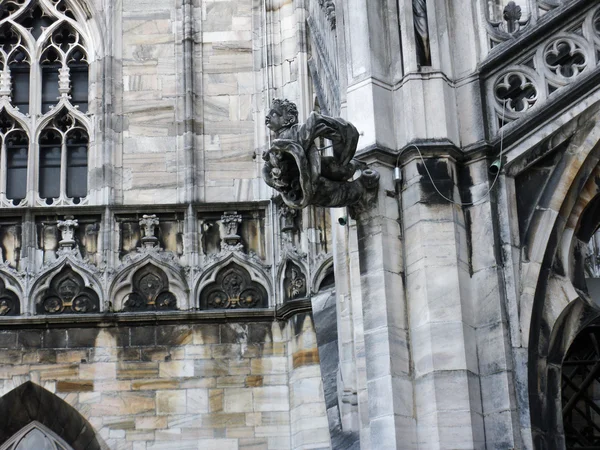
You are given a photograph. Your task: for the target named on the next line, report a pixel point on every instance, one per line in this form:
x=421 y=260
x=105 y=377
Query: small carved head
x=283 y=114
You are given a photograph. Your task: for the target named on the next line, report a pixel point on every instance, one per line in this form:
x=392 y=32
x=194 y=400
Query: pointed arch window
x=53 y=85
x=36 y=436
x=13 y=163
x=63 y=159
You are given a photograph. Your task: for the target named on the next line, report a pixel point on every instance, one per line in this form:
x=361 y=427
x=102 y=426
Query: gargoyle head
x=283 y=114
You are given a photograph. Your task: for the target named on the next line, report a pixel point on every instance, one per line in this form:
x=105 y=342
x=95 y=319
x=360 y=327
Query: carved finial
x=5 y=83
x=63 y=81
x=67 y=230
x=148 y=224
x=230 y=240
x=512 y=15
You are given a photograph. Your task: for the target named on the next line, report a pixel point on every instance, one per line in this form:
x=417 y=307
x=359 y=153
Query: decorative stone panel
x=233 y=288
x=150 y=291
x=536 y=75
x=9 y=302
x=68 y=294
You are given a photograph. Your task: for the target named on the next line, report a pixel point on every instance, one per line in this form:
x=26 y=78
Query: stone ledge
x=283 y=313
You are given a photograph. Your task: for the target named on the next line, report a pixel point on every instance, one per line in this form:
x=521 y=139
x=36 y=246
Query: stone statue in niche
x=295 y=167
x=148 y=224
x=421 y=32
x=67 y=231
x=230 y=239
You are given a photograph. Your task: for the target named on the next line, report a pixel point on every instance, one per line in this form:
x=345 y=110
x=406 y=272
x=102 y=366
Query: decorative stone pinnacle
x=5 y=83
x=63 y=81
x=230 y=240
x=67 y=230
x=148 y=223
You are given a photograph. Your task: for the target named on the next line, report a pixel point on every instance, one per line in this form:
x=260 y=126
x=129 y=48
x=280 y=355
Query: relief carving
x=67 y=231
x=295 y=167
x=148 y=224
x=230 y=239
x=9 y=302
x=233 y=288
x=150 y=291
x=294 y=282
x=68 y=294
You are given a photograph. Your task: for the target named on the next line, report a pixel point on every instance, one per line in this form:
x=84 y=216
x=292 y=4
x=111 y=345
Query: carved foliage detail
x=233 y=288
x=150 y=291
x=9 y=302
x=294 y=282
x=68 y=294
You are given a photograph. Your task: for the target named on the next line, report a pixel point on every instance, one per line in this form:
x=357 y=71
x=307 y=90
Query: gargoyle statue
x=295 y=167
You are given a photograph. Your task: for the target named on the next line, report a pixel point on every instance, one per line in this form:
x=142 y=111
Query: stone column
x=389 y=391
x=442 y=322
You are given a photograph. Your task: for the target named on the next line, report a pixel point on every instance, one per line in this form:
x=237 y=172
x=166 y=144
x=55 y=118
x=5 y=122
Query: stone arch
x=168 y=280
x=75 y=285
x=256 y=273
x=293 y=280
x=554 y=305
x=29 y=402
x=11 y=295
x=232 y=286
x=323 y=274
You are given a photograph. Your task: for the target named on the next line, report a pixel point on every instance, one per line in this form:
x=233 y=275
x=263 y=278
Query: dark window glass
x=50 y=92
x=50 y=148
x=77 y=164
x=20 y=86
x=16 y=166
x=79 y=85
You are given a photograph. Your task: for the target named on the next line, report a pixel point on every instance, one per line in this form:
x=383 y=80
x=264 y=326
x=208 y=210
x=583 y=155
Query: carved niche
x=233 y=288
x=9 y=302
x=150 y=291
x=294 y=282
x=68 y=294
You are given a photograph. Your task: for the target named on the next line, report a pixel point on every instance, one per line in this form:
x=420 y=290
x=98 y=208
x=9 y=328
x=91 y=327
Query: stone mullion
x=63 y=166
x=3 y=168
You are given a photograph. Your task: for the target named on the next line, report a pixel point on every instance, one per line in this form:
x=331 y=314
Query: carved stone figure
x=230 y=239
x=421 y=32
x=295 y=167
x=148 y=223
x=67 y=230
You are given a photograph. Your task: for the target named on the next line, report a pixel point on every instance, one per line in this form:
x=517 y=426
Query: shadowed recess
x=30 y=402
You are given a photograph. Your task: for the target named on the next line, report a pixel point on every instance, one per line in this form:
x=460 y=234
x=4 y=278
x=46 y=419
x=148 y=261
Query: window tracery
x=507 y=17
x=150 y=291
x=68 y=294
x=35 y=436
x=41 y=91
x=233 y=288
x=9 y=302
